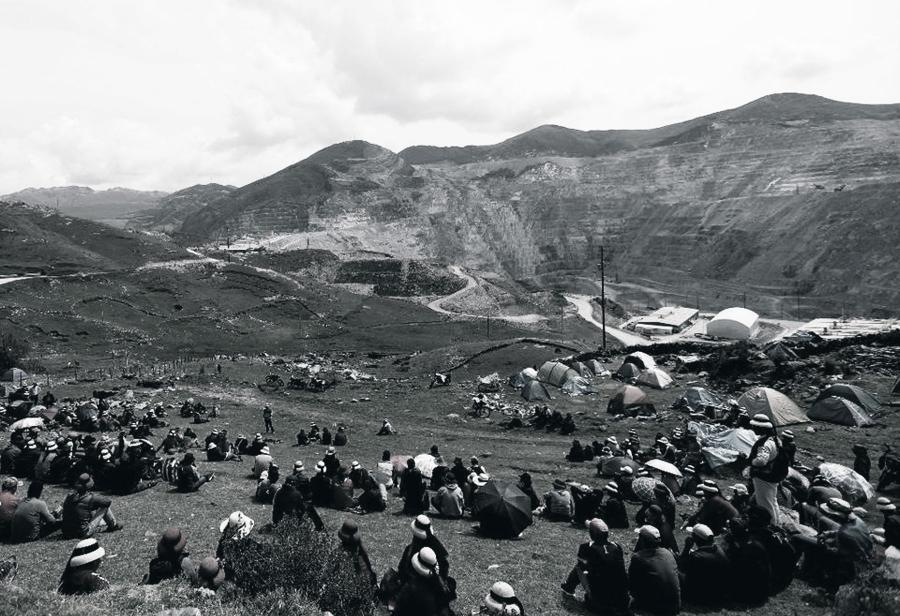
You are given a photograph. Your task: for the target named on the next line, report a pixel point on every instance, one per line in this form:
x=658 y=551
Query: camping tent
x=535 y=390
x=895 y=390
x=696 y=399
x=655 y=378
x=597 y=368
x=555 y=373
x=857 y=395
x=581 y=369
x=734 y=324
x=640 y=359
x=520 y=379
x=14 y=375
x=576 y=386
x=839 y=411
x=775 y=405
x=626 y=399
x=628 y=371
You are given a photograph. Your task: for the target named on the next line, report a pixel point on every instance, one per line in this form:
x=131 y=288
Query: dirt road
x=438 y=304
x=583 y=304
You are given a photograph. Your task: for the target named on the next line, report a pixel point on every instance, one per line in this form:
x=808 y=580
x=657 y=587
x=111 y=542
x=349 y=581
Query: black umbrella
x=502 y=509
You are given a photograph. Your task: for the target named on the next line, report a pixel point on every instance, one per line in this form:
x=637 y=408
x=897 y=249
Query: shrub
x=12 y=350
x=295 y=558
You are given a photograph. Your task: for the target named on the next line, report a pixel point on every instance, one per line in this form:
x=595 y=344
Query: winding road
x=586 y=311
x=438 y=304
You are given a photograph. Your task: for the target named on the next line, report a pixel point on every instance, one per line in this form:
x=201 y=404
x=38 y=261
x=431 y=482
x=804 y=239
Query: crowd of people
x=739 y=548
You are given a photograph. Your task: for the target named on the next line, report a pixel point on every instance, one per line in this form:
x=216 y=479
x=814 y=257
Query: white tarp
x=722 y=445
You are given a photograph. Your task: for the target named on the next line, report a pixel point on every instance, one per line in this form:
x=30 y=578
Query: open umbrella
x=28 y=422
x=664 y=467
x=399 y=462
x=502 y=509
x=849 y=482
x=426 y=463
x=612 y=466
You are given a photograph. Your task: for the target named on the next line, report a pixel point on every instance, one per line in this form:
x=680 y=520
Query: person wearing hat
x=291 y=501
x=235 y=527
x=654 y=516
x=32 y=519
x=790 y=447
x=576 y=452
x=215 y=453
x=448 y=500
x=835 y=556
x=340 y=437
x=301 y=481
x=653 y=575
x=353 y=548
x=80 y=575
x=261 y=461
x=172 y=559
x=783 y=556
x=321 y=487
x=501 y=600
x=891 y=523
x=62 y=463
x=189 y=479
x=85 y=513
x=601 y=565
x=751 y=567
x=302 y=439
x=425 y=593
x=8 y=504
x=740 y=498
x=665 y=450
x=374 y=495
x=586 y=500
x=412 y=489
x=45 y=462
x=527 y=487
x=762 y=462
x=423 y=537
x=265 y=489
x=332 y=463
x=862 y=464
x=27 y=461
x=386 y=428
x=210 y=574
x=267 y=419
x=691 y=480
x=704 y=569
x=612 y=508
x=714 y=512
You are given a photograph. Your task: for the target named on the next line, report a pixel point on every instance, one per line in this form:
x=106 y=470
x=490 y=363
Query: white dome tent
x=734 y=324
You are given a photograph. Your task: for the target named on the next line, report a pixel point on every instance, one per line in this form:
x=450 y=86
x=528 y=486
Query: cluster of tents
x=571 y=377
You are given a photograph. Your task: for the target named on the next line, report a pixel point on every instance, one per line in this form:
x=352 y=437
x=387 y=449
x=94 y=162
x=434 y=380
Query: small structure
x=734 y=324
x=665 y=320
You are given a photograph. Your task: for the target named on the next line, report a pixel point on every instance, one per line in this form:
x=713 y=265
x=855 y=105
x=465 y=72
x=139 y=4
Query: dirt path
x=583 y=304
x=438 y=304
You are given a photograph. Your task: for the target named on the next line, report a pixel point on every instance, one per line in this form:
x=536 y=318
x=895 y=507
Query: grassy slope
x=534 y=564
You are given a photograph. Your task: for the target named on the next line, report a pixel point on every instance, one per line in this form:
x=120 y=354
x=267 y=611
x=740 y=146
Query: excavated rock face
x=789 y=195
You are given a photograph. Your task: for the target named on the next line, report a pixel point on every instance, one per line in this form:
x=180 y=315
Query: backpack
x=776 y=470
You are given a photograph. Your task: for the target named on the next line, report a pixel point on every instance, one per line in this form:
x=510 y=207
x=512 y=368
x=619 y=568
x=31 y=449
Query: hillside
x=113 y=206
x=788 y=203
x=36 y=240
x=171 y=211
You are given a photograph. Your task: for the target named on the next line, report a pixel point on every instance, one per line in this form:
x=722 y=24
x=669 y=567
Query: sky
x=163 y=94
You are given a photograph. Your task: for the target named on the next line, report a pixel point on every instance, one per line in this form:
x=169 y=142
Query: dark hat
x=211 y=572
x=559 y=484
x=85 y=481
x=172 y=541
x=349 y=529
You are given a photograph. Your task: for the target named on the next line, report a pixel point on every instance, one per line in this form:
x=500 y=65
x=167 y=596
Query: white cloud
x=168 y=93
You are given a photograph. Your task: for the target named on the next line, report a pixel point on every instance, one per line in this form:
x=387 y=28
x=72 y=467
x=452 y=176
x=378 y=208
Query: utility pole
x=603 y=296
x=744 y=296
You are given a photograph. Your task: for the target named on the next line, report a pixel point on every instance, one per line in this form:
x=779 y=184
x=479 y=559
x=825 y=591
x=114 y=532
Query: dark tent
x=857 y=395
x=502 y=510
x=628 y=370
x=839 y=411
x=895 y=390
x=696 y=399
x=14 y=375
x=535 y=390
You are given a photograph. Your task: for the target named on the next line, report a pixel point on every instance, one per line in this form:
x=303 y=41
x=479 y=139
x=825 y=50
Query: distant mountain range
x=790 y=195
x=112 y=206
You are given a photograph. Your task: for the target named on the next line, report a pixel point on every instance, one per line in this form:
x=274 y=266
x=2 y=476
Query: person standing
x=764 y=466
x=267 y=419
